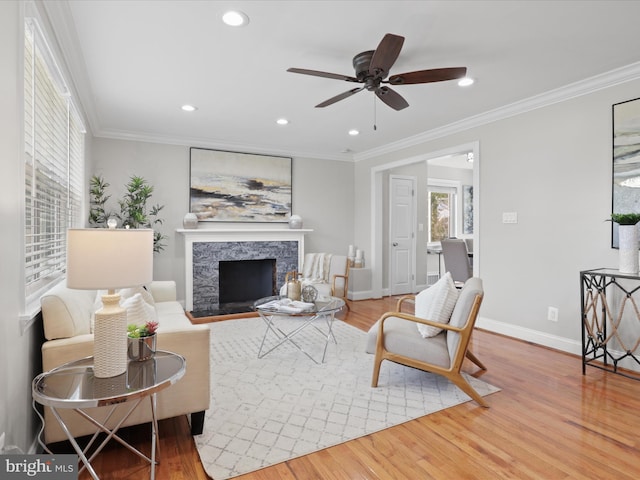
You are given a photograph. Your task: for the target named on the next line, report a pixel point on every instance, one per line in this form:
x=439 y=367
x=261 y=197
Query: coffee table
x=320 y=316
x=74 y=386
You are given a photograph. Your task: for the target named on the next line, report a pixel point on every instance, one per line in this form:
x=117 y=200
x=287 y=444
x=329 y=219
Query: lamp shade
x=100 y=258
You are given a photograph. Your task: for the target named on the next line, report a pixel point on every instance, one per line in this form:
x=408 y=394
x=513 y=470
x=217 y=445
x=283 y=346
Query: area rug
x=266 y=411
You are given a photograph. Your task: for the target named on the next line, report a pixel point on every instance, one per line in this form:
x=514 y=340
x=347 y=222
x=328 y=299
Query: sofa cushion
x=66 y=312
x=436 y=303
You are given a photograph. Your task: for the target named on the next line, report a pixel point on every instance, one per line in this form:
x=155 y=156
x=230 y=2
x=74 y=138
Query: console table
x=610 y=321
x=74 y=386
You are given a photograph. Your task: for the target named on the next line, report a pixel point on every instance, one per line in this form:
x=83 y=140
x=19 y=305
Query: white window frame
x=53 y=157
x=453 y=187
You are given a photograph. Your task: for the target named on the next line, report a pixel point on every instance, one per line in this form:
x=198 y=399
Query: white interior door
x=402 y=223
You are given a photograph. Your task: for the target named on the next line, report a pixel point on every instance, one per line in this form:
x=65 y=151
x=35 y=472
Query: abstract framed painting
x=239 y=187
x=626 y=161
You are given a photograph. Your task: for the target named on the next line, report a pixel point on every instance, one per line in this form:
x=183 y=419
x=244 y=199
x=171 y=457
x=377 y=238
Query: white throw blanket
x=316 y=268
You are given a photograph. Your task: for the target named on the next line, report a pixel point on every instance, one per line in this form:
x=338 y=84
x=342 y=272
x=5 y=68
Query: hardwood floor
x=548 y=422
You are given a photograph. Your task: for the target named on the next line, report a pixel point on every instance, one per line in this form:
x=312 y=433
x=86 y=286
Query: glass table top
x=73 y=385
x=321 y=305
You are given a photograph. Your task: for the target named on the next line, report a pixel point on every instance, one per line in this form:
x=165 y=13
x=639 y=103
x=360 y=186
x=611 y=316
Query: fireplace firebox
x=241 y=282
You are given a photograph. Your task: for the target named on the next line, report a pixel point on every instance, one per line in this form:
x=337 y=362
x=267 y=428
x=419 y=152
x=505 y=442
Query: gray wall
x=553 y=167
x=322 y=196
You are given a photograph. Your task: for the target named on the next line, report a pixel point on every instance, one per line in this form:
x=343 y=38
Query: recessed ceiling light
x=282 y=121
x=189 y=108
x=235 y=19
x=465 y=82
x=354 y=132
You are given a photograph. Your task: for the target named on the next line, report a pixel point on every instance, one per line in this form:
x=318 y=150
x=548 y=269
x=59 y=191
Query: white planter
x=628 y=248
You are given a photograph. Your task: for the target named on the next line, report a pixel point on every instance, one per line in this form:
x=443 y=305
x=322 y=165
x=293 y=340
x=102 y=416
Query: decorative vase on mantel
x=628 y=248
x=190 y=220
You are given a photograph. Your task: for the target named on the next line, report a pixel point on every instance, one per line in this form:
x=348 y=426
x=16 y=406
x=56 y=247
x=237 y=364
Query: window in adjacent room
x=53 y=165
x=442 y=210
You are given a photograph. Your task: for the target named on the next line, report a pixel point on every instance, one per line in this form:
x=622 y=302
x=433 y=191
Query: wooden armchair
x=395 y=337
x=328 y=273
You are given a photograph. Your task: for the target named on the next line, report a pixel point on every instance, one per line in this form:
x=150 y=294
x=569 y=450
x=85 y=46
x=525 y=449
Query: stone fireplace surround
x=206 y=247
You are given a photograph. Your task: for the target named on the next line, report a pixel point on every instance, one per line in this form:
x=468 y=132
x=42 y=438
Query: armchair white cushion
x=328 y=273
x=436 y=303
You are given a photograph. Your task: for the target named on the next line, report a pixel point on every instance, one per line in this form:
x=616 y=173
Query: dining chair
x=456 y=259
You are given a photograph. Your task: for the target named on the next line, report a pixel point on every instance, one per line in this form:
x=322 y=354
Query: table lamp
x=107 y=259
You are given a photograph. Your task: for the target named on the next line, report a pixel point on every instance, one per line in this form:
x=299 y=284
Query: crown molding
x=573 y=90
x=207 y=143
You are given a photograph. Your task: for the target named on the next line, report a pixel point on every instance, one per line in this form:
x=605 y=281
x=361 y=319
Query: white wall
x=19 y=360
x=322 y=196
x=553 y=167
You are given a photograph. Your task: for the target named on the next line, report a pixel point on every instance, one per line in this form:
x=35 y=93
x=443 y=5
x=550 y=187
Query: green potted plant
x=134 y=211
x=625 y=218
x=141 y=341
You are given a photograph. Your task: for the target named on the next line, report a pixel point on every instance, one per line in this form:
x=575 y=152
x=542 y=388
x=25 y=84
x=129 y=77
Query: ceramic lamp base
x=110 y=339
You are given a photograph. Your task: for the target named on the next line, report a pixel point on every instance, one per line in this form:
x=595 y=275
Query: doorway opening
x=465 y=224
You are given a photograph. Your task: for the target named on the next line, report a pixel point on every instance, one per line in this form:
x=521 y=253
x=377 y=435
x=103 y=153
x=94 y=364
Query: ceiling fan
x=372 y=67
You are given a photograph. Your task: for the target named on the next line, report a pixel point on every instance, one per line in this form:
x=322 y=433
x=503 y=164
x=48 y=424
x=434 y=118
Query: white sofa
x=67 y=315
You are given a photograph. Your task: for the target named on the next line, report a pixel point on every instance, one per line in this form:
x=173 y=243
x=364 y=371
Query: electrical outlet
x=552 y=314
x=510 y=217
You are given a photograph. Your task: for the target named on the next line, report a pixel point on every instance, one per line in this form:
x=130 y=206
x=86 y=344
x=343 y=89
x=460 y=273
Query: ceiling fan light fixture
x=372 y=68
x=235 y=18
x=465 y=82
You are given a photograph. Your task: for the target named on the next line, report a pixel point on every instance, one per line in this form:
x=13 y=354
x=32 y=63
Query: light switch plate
x=509 y=217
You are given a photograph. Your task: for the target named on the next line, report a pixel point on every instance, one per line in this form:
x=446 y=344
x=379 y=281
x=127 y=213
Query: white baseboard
x=563 y=344
x=361 y=295
x=540 y=338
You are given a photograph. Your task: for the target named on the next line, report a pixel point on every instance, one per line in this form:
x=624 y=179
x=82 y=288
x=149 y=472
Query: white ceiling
x=139 y=61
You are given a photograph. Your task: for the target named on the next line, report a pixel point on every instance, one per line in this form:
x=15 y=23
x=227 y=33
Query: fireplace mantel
x=231 y=235
x=242 y=234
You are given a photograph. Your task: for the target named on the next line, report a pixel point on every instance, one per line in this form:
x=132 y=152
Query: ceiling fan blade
x=385 y=55
x=428 y=76
x=391 y=98
x=316 y=73
x=337 y=98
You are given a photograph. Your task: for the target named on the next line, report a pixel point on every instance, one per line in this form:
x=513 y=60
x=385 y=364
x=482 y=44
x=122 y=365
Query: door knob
x=395 y=244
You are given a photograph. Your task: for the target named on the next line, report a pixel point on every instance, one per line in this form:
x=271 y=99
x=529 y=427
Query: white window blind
x=54 y=160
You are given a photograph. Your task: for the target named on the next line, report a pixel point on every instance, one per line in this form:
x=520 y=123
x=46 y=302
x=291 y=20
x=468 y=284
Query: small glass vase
x=142 y=348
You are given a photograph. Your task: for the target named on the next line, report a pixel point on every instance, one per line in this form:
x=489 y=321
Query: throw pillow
x=138 y=311
x=130 y=292
x=436 y=303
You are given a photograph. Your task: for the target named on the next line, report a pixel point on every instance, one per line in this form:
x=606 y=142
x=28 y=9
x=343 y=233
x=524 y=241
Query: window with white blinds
x=54 y=161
